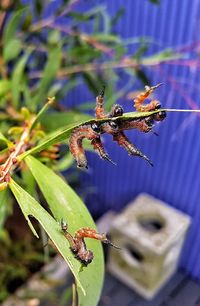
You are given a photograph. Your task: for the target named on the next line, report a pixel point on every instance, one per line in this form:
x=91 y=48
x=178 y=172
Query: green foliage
x=4 y=88
x=30 y=207
x=65 y=203
x=17 y=79
x=12 y=26
x=48 y=75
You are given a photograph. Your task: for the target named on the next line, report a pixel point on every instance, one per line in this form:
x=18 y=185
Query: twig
x=62 y=73
x=84 y=37
x=125 y=62
x=20 y=147
x=74 y=302
x=37 y=26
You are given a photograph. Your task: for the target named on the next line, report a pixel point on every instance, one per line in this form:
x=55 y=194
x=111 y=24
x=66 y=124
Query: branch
x=19 y=148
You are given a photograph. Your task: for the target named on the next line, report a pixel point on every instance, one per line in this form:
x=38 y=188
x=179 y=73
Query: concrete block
x=151 y=235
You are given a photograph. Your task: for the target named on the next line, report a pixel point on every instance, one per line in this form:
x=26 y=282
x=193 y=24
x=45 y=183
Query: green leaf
x=65 y=133
x=17 y=78
x=41 y=113
x=5 y=87
x=5 y=140
x=117 y=16
x=25 y=88
x=55 y=120
x=54 y=37
x=28 y=181
x=49 y=74
x=12 y=26
x=31 y=208
x=167 y=54
x=106 y=38
x=60 y=90
x=65 y=203
x=4 y=208
x=65 y=163
x=12 y=49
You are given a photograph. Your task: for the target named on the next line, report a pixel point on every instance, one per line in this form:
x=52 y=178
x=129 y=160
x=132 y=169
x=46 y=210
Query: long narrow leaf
x=12 y=26
x=49 y=74
x=55 y=120
x=65 y=203
x=17 y=78
x=31 y=208
x=65 y=133
x=5 y=140
x=42 y=112
x=4 y=208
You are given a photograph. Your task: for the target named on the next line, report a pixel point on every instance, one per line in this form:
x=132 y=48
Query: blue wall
x=175 y=177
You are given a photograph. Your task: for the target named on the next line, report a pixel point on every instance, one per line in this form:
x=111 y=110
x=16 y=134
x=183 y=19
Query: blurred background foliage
x=46 y=54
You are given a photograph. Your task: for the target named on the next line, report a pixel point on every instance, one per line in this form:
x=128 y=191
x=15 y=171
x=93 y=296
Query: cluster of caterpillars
x=115 y=125
x=78 y=245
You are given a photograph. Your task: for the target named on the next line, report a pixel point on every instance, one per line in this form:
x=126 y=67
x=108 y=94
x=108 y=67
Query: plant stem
x=20 y=147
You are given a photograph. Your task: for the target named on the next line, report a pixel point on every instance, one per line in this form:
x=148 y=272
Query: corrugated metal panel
x=175 y=176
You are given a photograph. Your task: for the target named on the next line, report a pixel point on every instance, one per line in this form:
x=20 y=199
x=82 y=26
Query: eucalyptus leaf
x=31 y=208
x=41 y=113
x=167 y=54
x=65 y=204
x=117 y=16
x=65 y=163
x=12 y=49
x=18 y=78
x=64 y=134
x=55 y=120
x=4 y=209
x=5 y=86
x=12 y=26
x=49 y=74
x=107 y=38
x=5 y=140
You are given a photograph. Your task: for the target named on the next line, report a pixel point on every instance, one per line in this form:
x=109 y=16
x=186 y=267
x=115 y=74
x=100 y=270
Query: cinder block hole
x=135 y=253
x=151 y=223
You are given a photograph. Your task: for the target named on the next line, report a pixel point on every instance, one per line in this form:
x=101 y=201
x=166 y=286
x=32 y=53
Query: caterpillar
x=78 y=245
x=115 y=126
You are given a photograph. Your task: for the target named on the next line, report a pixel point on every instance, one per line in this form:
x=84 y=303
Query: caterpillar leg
x=98 y=147
x=139 y=100
x=88 y=232
x=99 y=110
x=124 y=142
x=144 y=125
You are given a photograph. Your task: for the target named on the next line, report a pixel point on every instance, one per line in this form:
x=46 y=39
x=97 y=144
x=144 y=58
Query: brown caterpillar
x=115 y=127
x=78 y=245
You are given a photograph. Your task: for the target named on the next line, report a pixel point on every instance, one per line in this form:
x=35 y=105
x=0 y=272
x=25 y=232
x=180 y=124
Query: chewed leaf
x=65 y=204
x=30 y=207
